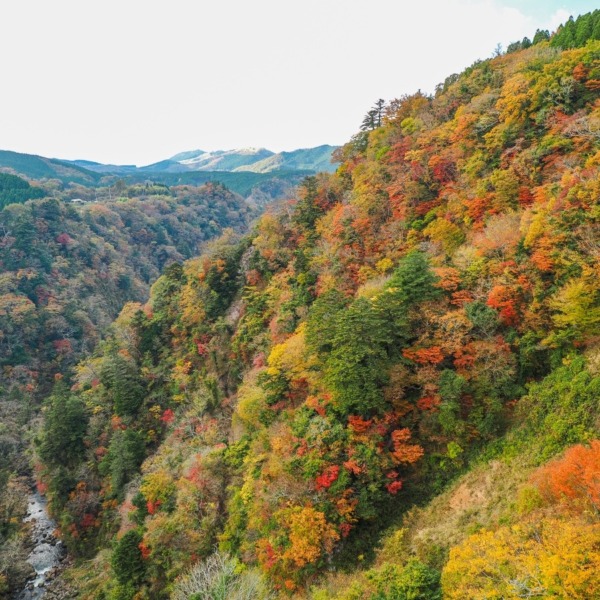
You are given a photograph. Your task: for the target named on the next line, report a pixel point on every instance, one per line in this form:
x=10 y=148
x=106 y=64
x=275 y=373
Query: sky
x=134 y=82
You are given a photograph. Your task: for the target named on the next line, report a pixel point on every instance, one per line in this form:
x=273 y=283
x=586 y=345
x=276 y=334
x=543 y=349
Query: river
x=47 y=551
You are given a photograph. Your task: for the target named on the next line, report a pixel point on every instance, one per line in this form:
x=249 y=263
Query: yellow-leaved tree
x=309 y=533
x=549 y=558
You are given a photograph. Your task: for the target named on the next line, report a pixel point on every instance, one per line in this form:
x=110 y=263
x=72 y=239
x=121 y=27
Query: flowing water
x=47 y=551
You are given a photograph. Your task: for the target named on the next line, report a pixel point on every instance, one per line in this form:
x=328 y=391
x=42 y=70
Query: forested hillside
x=66 y=271
x=15 y=190
x=389 y=389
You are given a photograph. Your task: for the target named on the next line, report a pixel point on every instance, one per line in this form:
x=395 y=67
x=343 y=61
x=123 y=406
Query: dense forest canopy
x=14 y=190
x=66 y=271
x=388 y=389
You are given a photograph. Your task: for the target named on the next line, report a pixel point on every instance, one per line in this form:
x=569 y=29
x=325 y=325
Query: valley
x=373 y=379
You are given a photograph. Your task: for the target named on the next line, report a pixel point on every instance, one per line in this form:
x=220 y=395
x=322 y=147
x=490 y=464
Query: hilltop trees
x=576 y=32
x=374 y=117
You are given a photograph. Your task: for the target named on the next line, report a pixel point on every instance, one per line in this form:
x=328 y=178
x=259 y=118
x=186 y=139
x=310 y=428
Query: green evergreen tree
x=583 y=30
x=322 y=321
x=451 y=388
x=125 y=454
x=121 y=378
x=566 y=35
x=541 y=35
x=414 y=279
x=15 y=190
x=596 y=25
x=61 y=442
x=358 y=364
x=127 y=561
x=374 y=117
x=483 y=318
x=414 y=581
x=307 y=212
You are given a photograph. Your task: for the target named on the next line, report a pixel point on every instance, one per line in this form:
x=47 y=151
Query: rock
x=19 y=575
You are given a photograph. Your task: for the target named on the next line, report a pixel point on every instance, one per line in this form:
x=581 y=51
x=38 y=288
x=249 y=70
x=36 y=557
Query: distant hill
x=311 y=159
x=224 y=160
x=185 y=155
x=101 y=168
x=255 y=160
x=163 y=166
x=240 y=182
x=38 y=167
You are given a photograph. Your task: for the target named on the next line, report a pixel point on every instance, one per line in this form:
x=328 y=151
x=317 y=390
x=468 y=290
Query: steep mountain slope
x=98 y=255
x=431 y=308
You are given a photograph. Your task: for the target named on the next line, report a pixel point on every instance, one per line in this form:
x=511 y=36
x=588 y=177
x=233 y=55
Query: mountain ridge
x=262 y=185
x=241 y=170
x=256 y=160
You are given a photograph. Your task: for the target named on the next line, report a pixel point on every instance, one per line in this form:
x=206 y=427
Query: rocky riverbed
x=47 y=554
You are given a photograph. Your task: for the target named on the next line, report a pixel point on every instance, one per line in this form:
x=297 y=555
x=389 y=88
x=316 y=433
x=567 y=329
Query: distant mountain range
x=254 y=160
x=253 y=172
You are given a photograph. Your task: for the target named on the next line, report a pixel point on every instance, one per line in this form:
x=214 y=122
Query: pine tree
x=125 y=454
x=357 y=367
x=127 y=561
x=120 y=377
x=541 y=35
x=65 y=423
x=374 y=117
x=414 y=279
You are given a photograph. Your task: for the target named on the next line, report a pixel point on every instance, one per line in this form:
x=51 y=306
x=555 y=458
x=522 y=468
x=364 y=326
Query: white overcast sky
x=135 y=82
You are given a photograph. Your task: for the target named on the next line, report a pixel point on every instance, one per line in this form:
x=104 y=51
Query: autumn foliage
x=291 y=393
x=551 y=557
x=573 y=481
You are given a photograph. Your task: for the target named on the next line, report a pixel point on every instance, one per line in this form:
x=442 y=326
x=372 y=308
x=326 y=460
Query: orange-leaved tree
x=574 y=479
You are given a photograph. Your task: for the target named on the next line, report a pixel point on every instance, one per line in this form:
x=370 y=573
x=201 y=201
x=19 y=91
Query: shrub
x=414 y=581
x=219 y=578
